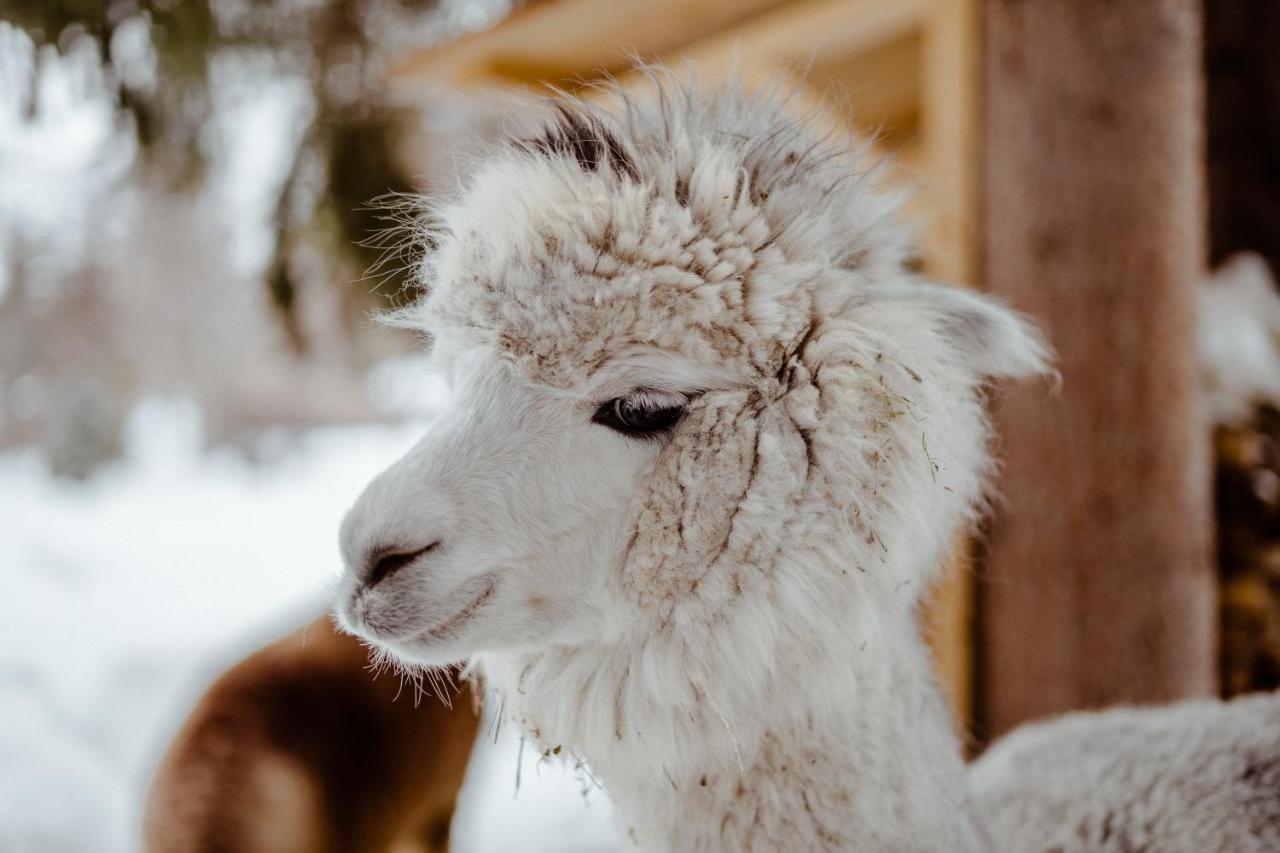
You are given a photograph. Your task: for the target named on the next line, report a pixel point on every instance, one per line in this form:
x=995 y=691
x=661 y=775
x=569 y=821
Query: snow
x=62 y=154
x=121 y=597
x=1239 y=339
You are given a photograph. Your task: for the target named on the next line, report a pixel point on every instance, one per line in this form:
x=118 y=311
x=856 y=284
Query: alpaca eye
x=642 y=413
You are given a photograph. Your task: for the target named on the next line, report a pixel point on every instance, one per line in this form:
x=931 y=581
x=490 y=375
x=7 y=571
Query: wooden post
x=948 y=119
x=1097 y=585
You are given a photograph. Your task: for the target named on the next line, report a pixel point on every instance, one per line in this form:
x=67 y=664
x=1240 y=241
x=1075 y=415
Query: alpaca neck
x=877 y=770
x=839 y=745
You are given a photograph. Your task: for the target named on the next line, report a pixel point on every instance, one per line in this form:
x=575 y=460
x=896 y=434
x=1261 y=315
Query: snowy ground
x=121 y=597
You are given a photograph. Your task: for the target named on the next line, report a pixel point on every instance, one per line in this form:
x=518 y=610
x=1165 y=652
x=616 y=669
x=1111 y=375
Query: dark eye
x=641 y=413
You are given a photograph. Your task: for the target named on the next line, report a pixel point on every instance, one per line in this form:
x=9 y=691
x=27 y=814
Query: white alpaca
x=708 y=446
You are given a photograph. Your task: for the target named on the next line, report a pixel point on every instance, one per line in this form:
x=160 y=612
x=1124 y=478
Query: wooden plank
x=557 y=41
x=949 y=119
x=870 y=73
x=1097 y=587
x=804 y=35
x=570 y=41
x=863 y=56
x=949 y=114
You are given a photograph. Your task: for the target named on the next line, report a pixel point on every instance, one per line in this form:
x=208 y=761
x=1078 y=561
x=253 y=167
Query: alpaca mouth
x=450 y=627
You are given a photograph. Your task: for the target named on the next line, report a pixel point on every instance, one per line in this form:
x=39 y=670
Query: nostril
x=386 y=562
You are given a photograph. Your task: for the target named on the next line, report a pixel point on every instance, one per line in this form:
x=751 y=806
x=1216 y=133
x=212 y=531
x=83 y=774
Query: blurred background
x=199 y=202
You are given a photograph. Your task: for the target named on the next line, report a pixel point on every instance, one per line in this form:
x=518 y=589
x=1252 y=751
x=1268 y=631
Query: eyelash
x=643 y=413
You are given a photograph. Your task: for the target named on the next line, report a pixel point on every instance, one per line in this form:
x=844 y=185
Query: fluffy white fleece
x=1239 y=339
x=1199 y=777
x=721 y=620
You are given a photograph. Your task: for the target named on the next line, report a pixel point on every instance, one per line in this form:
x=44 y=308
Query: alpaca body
x=1196 y=777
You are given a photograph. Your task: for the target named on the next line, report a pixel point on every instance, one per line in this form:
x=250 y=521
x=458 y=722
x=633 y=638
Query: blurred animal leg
x=300 y=748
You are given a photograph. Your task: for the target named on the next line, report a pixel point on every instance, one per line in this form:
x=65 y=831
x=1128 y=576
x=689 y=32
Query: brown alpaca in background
x=300 y=748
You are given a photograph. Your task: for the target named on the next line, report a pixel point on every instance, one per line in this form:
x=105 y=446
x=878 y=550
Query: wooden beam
x=867 y=48
x=1097 y=587
x=949 y=127
x=862 y=57
x=557 y=41
x=949 y=114
x=803 y=35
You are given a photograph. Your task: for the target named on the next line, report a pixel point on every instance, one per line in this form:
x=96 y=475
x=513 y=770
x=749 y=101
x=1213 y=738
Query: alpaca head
x=679 y=340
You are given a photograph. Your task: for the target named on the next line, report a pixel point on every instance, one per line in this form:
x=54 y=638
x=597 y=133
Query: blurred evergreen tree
x=340 y=48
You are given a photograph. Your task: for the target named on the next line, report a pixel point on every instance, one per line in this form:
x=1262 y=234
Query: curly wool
x=701 y=226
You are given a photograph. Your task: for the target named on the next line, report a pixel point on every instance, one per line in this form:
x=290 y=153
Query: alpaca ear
x=995 y=340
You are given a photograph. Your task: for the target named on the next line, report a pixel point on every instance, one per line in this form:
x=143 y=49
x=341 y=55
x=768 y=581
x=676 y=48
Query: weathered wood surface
x=1097 y=584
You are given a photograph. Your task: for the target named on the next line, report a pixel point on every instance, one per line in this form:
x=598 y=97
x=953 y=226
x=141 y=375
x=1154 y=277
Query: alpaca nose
x=384 y=562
